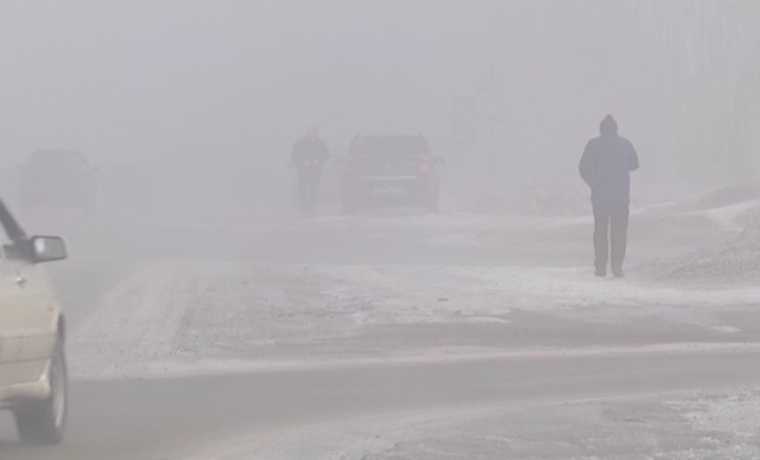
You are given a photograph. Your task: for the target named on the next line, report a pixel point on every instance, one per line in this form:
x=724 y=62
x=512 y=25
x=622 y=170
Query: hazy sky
x=160 y=74
x=511 y=79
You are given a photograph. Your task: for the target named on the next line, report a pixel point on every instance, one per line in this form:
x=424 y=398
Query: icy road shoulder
x=177 y=314
x=667 y=426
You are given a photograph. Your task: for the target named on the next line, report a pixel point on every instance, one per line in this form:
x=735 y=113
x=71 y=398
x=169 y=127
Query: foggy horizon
x=494 y=81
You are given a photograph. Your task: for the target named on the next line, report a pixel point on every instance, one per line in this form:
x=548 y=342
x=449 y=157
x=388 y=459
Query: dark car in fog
x=58 y=179
x=390 y=169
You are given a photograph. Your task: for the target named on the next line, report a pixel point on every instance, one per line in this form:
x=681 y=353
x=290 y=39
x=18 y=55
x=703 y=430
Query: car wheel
x=44 y=422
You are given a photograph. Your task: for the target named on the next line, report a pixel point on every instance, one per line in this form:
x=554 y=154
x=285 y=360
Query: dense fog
x=196 y=98
x=379 y=229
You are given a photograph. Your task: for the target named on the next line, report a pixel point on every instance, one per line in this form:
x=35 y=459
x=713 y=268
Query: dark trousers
x=610 y=232
x=308 y=188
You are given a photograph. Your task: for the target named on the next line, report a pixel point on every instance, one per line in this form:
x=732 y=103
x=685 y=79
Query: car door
x=27 y=318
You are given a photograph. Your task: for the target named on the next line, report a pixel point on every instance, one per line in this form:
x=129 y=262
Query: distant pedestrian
x=606 y=167
x=308 y=157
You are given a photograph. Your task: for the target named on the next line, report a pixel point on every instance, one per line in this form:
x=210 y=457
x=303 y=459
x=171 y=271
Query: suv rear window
x=388 y=154
x=390 y=145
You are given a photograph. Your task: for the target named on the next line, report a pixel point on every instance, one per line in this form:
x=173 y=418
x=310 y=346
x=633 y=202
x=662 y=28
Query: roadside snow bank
x=731 y=218
x=737 y=260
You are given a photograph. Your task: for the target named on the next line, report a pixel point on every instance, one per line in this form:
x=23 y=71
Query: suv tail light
x=424 y=166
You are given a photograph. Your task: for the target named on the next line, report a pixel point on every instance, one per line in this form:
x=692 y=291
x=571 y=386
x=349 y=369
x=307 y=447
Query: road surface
x=177 y=416
x=154 y=419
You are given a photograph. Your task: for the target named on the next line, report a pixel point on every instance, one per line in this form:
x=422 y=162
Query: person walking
x=606 y=167
x=308 y=157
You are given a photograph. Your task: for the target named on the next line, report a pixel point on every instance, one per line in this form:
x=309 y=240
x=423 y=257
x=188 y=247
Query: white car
x=33 y=377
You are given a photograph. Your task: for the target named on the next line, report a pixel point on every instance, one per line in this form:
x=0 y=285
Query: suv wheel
x=44 y=422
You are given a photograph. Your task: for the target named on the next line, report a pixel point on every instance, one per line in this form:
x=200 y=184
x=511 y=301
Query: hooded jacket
x=606 y=165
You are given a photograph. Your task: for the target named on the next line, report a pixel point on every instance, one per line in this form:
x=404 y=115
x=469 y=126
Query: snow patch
x=176 y=316
x=728 y=217
x=735 y=413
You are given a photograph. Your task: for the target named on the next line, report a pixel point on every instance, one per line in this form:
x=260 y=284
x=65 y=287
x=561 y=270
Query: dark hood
x=609 y=126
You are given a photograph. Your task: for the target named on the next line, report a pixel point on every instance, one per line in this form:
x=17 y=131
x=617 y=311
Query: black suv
x=396 y=169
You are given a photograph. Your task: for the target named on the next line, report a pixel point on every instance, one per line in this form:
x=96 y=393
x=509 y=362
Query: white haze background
x=200 y=100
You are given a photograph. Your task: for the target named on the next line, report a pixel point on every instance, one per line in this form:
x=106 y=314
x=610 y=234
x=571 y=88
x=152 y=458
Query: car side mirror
x=47 y=249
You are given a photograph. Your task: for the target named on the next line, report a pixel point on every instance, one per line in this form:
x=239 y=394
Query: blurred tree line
x=683 y=75
x=714 y=76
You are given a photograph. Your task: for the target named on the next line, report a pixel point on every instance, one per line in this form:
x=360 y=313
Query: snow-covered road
x=404 y=308
x=185 y=314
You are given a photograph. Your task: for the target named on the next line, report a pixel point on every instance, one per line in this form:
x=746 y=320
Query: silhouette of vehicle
x=395 y=169
x=33 y=376
x=58 y=179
